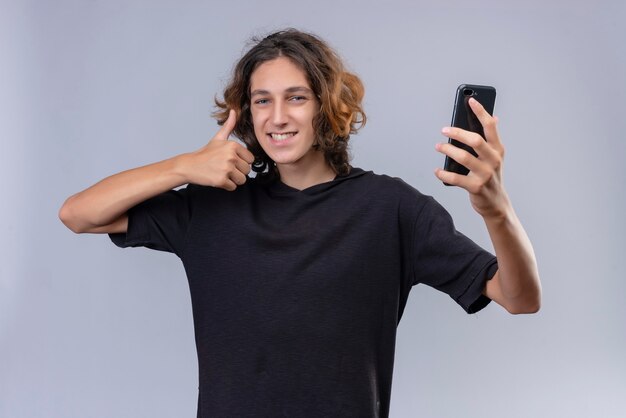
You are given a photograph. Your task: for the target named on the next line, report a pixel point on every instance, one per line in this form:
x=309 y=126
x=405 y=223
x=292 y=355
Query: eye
x=297 y=99
x=261 y=101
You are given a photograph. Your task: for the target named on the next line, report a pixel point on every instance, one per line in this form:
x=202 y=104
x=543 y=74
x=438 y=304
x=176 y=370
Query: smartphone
x=463 y=117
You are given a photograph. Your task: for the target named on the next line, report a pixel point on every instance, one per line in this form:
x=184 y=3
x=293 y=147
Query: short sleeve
x=448 y=261
x=159 y=223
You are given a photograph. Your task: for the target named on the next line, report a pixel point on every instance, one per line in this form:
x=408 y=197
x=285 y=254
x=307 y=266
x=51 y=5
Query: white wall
x=89 y=88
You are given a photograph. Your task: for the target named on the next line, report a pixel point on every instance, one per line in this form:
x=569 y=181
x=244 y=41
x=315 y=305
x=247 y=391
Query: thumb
x=227 y=127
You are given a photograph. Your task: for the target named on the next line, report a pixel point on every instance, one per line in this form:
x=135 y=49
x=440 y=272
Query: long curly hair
x=339 y=92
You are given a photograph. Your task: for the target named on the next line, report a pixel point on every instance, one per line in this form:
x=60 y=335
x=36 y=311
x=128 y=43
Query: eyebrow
x=295 y=89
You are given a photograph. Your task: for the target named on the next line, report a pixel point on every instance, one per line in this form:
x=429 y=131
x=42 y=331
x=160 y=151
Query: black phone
x=463 y=117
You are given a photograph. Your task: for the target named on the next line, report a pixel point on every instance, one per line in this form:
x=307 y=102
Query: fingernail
x=445 y=130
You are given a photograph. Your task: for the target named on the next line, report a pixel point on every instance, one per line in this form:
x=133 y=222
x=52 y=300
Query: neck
x=304 y=174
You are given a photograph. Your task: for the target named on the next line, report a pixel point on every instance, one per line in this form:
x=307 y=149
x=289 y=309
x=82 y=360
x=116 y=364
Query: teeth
x=282 y=137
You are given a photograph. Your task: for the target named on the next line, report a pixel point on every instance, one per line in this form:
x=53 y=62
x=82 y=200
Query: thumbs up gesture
x=220 y=163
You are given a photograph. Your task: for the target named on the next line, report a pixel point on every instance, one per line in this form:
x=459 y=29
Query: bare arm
x=516 y=285
x=102 y=207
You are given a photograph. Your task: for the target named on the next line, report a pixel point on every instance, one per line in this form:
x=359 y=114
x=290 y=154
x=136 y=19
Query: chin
x=285 y=160
x=287 y=157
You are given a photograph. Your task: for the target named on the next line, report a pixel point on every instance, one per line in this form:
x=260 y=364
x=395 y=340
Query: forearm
x=107 y=200
x=102 y=207
x=516 y=284
x=518 y=287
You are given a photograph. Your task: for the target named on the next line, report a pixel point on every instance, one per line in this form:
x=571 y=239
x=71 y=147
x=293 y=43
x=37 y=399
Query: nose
x=279 y=113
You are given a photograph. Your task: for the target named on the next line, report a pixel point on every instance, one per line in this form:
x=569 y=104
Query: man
x=299 y=275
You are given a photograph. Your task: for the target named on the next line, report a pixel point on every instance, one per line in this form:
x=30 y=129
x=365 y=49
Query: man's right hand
x=103 y=207
x=220 y=163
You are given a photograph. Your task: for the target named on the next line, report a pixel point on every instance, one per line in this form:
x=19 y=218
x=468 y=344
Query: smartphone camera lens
x=468 y=92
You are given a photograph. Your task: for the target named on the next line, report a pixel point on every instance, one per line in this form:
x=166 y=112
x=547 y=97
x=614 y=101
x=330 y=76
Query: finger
x=229 y=185
x=488 y=122
x=245 y=154
x=469 y=138
x=486 y=151
x=469 y=183
x=237 y=177
x=463 y=157
x=453 y=179
x=242 y=166
x=227 y=127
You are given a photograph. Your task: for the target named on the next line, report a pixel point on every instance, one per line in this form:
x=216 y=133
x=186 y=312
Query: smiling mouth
x=282 y=136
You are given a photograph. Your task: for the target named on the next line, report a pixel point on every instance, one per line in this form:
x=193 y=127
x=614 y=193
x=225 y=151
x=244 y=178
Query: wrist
x=177 y=168
x=499 y=214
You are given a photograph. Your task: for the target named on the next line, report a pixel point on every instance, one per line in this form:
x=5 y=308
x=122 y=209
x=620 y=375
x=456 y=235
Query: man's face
x=283 y=107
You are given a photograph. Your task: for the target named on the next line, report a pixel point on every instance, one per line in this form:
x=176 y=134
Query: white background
x=90 y=88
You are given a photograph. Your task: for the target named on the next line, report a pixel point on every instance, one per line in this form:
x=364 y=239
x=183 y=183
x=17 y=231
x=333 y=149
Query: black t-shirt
x=296 y=295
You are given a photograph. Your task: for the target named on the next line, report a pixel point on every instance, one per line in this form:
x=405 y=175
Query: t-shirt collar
x=278 y=187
